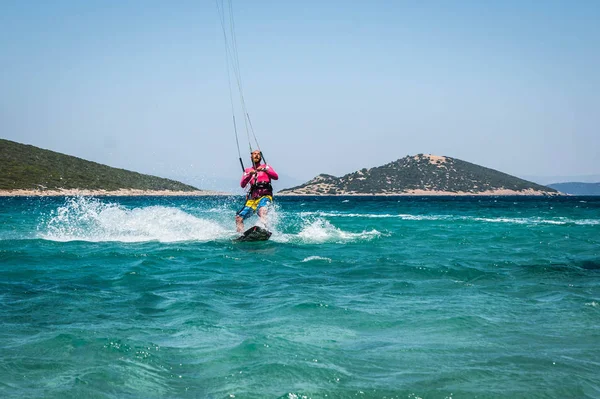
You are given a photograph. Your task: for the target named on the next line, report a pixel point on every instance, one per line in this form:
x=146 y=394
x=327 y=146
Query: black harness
x=262 y=185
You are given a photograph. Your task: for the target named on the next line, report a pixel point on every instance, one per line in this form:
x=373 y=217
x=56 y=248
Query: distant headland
x=421 y=174
x=577 y=188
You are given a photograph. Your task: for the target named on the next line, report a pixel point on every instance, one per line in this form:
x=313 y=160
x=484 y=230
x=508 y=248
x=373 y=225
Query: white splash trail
x=88 y=219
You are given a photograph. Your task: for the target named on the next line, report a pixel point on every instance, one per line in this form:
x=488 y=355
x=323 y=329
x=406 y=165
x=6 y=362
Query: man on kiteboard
x=260 y=195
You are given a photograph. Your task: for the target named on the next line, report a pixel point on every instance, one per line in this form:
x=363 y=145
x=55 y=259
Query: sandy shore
x=97 y=193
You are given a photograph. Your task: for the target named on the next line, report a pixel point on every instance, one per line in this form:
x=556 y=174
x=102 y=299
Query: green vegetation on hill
x=419 y=172
x=31 y=168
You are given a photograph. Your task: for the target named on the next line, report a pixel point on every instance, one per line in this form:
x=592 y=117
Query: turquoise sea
x=353 y=297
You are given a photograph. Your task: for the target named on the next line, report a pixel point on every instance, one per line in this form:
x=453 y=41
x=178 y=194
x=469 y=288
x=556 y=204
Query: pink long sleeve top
x=262 y=176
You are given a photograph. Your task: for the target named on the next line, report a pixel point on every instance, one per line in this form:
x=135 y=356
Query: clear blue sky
x=331 y=86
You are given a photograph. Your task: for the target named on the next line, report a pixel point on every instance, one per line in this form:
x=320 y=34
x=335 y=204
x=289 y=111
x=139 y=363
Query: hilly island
x=26 y=169
x=421 y=175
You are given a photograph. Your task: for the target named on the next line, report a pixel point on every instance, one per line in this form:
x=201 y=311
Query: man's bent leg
x=245 y=212
x=239 y=224
x=262 y=214
x=263 y=208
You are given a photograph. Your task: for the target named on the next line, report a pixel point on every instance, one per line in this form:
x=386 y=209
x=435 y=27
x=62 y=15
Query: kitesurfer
x=260 y=195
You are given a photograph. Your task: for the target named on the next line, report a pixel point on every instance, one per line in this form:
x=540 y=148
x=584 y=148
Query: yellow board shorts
x=254 y=204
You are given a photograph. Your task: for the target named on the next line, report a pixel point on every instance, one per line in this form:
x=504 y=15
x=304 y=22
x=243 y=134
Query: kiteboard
x=255 y=233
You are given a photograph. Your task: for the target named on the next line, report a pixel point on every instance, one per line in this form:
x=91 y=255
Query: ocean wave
x=511 y=220
x=538 y=220
x=316 y=258
x=347 y=215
